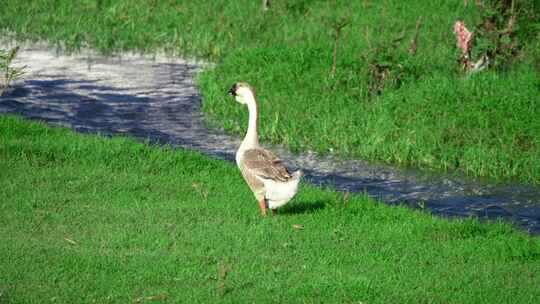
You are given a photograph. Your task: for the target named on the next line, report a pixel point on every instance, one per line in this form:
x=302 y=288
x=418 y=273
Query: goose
x=269 y=180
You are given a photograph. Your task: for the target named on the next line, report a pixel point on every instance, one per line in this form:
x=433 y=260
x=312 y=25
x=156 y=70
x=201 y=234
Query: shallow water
x=153 y=97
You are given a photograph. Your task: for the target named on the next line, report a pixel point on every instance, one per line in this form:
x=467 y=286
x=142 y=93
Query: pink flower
x=463 y=37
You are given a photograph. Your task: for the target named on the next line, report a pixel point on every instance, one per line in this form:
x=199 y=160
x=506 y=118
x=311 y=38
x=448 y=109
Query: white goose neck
x=251 y=140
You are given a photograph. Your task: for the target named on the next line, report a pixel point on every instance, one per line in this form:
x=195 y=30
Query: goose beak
x=232 y=90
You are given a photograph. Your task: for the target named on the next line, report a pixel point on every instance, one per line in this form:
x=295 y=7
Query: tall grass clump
x=379 y=80
x=9 y=73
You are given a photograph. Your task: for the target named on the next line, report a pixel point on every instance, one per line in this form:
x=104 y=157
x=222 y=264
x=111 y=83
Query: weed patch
x=8 y=73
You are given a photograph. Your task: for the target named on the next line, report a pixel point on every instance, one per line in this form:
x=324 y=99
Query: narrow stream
x=153 y=97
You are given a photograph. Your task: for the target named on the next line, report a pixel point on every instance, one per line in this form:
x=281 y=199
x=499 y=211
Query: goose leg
x=262 y=205
x=274 y=212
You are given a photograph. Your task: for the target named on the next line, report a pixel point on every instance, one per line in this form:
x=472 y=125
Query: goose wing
x=265 y=164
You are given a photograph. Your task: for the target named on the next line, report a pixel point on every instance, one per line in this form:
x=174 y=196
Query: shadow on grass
x=303 y=207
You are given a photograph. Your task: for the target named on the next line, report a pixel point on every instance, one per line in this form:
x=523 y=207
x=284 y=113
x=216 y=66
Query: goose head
x=242 y=92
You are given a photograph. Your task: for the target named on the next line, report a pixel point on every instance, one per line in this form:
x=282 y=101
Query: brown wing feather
x=265 y=164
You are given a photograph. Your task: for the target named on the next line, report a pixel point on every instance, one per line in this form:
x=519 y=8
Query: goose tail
x=297 y=174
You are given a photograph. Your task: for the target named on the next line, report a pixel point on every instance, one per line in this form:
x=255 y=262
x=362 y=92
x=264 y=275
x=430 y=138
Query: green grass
x=89 y=219
x=428 y=116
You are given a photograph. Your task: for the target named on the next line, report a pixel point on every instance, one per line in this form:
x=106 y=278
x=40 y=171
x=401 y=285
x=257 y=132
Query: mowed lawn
x=90 y=219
